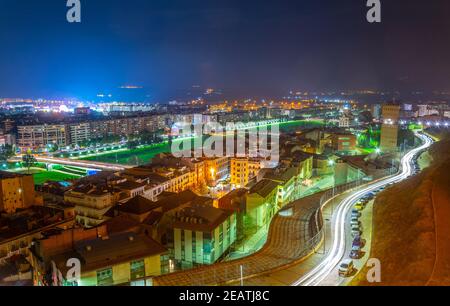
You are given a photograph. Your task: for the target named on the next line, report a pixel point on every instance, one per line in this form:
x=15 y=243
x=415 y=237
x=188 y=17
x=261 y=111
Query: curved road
x=338 y=250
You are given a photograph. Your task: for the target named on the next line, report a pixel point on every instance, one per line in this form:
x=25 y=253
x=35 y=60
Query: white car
x=355 y=223
x=356 y=231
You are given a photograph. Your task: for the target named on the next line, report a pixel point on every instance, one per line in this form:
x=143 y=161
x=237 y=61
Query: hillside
x=411 y=227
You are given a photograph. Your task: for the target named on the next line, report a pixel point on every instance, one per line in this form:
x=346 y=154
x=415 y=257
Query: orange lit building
x=16 y=191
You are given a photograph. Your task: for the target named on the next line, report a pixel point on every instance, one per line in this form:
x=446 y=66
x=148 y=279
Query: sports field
x=42 y=177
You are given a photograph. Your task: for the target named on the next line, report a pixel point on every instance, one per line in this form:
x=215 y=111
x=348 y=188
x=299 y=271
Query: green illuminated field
x=42 y=177
x=132 y=157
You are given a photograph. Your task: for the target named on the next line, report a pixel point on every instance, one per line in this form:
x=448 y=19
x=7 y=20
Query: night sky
x=244 y=47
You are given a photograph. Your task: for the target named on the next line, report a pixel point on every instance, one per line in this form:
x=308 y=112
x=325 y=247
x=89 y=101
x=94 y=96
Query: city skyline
x=249 y=49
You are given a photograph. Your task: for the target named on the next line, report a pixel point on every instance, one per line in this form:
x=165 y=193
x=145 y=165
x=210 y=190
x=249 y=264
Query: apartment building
x=202 y=234
x=20 y=229
x=92 y=202
x=197 y=166
x=343 y=142
x=216 y=169
x=106 y=260
x=287 y=180
x=344 y=121
x=80 y=132
x=159 y=179
x=39 y=136
x=242 y=170
x=262 y=203
x=16 y=192
x=127 y=126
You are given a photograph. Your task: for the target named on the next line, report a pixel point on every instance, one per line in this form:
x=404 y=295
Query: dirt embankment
x=412 y=226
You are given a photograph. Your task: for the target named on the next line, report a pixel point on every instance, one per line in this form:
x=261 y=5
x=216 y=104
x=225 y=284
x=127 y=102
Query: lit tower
x=389 y=128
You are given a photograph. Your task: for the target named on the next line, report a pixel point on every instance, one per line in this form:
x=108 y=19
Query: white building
x=39 y=136
x=80 y=132
x=344 y=122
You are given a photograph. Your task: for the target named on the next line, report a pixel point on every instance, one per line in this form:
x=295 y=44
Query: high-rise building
x=389 y=128
x=376 y=111
x=80 y=132
x=422 y=110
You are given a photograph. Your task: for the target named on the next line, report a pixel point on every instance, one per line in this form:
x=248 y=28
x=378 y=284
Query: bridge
x=76 y=163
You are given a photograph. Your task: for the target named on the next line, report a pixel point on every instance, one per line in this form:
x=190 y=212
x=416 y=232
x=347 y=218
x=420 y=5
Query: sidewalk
x=250 y=246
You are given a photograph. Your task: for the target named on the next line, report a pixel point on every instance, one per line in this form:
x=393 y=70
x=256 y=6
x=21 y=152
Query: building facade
x=390 y=128
x=343 y=142
x=242 y=170
x=16 y=192
x=39 y=136
x=79 y=133
x=202 y=235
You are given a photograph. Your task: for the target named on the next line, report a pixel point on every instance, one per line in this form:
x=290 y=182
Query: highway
x=339 y=247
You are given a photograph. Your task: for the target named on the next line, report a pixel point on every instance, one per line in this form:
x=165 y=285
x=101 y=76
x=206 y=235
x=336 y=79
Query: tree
x=133 y=144
x=6 y=152
x=53 y=148
x=29 y=161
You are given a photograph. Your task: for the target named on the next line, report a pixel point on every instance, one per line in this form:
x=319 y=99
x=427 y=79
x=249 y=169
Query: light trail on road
x=337 y=251
x=77 y=163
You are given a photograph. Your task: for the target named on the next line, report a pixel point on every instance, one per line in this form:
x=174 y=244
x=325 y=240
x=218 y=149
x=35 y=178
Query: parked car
x=356 y=214
x=346 y=268
x=355 y=252
x=356 y=231
x=356 y=223
x=359 y=206
x=357 y=241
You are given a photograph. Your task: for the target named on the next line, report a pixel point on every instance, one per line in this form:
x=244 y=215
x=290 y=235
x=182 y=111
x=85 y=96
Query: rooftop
x=201 y=218
x=281 y=174
x=130 y=185
x=138 y=205
x=116 y=249
x=180 y=199
x=264 y=187
x=121 y=223
x=9 y=175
